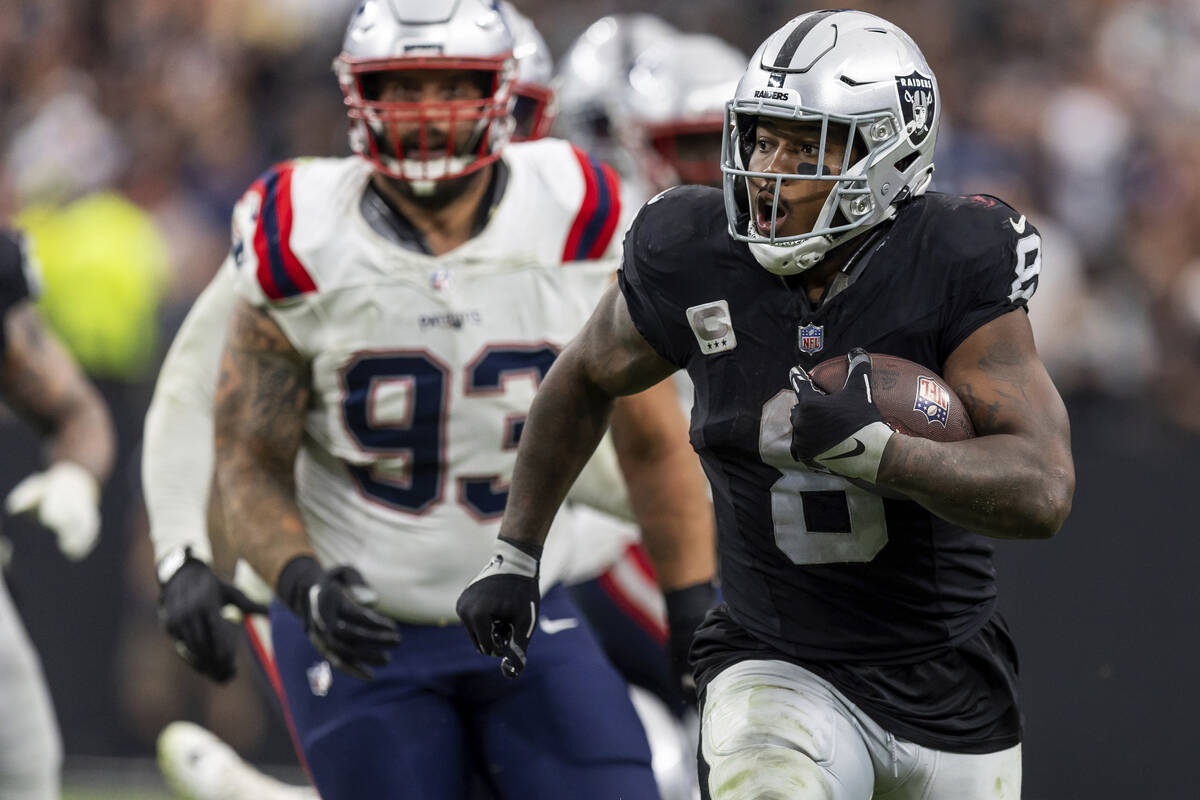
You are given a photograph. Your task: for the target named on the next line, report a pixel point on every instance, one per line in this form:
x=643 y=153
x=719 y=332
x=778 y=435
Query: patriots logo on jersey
x=812 y=338
x=932 y=401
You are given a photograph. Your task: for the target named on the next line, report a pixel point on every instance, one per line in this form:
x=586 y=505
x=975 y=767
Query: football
x=913 y=399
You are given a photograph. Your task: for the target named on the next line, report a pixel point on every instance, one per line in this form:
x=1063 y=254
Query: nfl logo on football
x=812 y=338
x=933 y=401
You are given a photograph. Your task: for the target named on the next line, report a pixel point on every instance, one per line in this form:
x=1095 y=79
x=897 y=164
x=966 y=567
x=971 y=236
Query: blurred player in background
x=178 y=433
x=439 y=229
x=43 y=384
x=676 y=107
x=858 y=653
x=592 y=90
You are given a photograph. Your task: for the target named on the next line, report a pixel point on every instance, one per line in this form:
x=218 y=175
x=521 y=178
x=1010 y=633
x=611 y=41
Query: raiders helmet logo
x=916 y=104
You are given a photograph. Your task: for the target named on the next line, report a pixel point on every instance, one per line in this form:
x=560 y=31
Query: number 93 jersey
x=820 y=568
x=423 y=368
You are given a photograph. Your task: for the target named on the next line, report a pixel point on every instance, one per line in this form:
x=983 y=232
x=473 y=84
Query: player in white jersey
x=397 y=319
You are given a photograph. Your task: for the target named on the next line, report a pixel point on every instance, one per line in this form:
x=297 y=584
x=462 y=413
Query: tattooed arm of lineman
x=261 y=400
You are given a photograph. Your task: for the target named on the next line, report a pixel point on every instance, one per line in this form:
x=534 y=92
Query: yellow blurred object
x=105 y=267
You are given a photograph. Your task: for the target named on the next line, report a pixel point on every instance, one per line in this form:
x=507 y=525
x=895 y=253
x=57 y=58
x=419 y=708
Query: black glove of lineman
x=841 y=432
x=190 y=609
x=499 y=608
x=685 y=611
x=336 y=609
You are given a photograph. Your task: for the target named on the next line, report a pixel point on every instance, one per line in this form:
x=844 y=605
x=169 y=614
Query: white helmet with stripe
x=416 y=140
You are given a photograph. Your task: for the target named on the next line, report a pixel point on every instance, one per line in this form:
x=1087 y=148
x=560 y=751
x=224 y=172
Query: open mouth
x=763 y=203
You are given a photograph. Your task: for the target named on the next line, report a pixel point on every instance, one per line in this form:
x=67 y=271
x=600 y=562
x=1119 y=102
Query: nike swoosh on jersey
x=553 y=626
x=1018 y=225
x=859 y=447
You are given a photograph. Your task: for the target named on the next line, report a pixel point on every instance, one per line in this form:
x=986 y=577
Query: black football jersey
x=16 y=280
x=812 y=566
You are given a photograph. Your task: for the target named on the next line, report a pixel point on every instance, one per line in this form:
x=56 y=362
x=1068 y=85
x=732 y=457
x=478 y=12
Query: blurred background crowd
x=128 y=128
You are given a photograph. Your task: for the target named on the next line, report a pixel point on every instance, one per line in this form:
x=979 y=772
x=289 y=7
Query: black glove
x=499 y=608
x=336 y=609
x=189 y=607
x=841 y=432
x=685 y=611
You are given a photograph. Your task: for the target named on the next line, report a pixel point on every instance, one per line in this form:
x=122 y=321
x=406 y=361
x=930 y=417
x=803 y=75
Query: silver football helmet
x=534 y=106
x=593 y=81
x=677 y=94
x=421 y=140
x=847 y=71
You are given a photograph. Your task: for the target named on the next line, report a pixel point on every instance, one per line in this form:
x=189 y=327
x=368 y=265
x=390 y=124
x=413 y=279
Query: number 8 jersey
x=423 y=368
x=815 y=568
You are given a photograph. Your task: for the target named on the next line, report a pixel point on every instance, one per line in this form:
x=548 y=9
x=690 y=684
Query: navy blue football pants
x=440 y=712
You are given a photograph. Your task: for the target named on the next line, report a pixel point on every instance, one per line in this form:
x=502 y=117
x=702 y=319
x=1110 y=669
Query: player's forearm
x=667 y=488
x=259 y=411
x=1000 y=485
x=566 y=422
x=262 y=518
x=42 y=381
x=177 y=458
x=85 y=436
x=177 y=446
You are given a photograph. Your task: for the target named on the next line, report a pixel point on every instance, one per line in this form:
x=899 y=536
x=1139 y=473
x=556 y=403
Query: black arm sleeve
x=16 y=282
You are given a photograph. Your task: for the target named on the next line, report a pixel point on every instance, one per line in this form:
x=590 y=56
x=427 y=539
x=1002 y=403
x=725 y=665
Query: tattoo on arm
x=261 y=401
x=46 y=387
x=983 y=415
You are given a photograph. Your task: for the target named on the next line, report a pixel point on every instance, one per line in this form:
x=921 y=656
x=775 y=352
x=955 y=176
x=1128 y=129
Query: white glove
x=66 y=497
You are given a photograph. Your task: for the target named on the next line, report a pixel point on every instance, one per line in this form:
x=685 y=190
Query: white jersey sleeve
x=177 y=451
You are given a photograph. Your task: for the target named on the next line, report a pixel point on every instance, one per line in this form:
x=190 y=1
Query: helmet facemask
x=853 y=204
x=424 y=141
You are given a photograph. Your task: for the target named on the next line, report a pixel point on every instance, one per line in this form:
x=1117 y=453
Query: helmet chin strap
x=794 y=258
x=790 y=259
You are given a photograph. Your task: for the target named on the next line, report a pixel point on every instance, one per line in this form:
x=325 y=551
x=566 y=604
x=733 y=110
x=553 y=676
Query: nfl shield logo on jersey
x=812 y=338
x=320 y=678
x=932 y=401
x=439 y=280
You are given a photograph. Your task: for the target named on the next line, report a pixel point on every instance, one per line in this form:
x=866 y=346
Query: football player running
x=397 y=312
x=858 y=653
x=39 y=379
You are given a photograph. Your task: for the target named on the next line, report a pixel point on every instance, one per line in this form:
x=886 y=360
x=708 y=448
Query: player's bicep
x=612 y=352
x=1003 y=384
x=39 y=378
x=262 y=392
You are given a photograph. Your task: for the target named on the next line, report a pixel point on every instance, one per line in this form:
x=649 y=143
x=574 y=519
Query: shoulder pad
x=967 y=227
x=599 y=210
x=263 y=225
x=680 y=215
